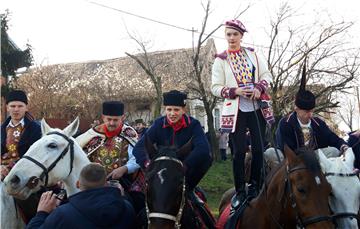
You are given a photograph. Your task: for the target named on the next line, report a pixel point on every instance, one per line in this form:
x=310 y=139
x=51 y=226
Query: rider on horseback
x=354 y=142
x=301 y=129
x=176 y=129
x=18 y=133
x=241 y=78
x=111 y=144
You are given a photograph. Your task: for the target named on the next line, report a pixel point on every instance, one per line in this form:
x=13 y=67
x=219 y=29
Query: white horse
x=345 y=199
x=10 y=217
x=54 y=157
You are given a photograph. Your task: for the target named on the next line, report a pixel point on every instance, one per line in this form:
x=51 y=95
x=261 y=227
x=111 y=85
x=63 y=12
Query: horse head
x=345 y=198
x=165 y=178
x=54 y=157
x=302 y=188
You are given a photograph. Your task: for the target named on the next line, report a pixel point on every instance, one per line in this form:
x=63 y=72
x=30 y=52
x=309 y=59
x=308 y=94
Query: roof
x=123 y=79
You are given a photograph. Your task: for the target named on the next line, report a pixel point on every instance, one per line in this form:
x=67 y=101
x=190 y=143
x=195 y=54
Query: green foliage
x=12 y=58
x=218 y=179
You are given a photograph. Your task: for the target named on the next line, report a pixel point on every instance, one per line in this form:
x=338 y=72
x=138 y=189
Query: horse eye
x=52 y=146
x=301 y=190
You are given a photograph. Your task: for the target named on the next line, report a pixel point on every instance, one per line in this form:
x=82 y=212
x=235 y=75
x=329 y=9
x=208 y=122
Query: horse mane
x=306 y=155
x=309 y=158
x=338 y=165
x=169 y=151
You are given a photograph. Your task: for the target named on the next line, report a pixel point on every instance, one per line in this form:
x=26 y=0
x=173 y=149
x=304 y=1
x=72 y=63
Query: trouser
x=223 y=154
x=273 y=160
x=256 y=124
x=194 y=175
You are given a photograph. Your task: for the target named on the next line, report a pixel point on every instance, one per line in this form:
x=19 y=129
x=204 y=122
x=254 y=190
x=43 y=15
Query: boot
x=239 y=179
x=253 y=190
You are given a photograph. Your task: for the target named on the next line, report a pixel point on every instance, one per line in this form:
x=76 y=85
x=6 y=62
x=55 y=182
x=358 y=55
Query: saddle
x=197 y=202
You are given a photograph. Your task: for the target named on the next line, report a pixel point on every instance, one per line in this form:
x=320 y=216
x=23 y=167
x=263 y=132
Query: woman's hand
x=256 y=94
x=244 y=91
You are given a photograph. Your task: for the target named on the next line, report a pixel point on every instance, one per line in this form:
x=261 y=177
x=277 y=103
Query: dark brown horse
x=294 y=194
x=166 y=195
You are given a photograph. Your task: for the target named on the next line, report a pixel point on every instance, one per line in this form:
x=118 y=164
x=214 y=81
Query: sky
x=65 y=31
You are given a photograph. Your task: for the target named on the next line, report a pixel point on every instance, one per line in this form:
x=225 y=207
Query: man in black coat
x=95 y=206
x=354 y=142
x=301 y=129
x=176 y=128
x=18 y=133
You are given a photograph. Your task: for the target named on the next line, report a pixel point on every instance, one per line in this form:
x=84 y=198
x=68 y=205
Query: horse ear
x=150 y=148
x=71 y=129
x=349 y=157
x=324 y=162
x=184 y=150
x=45 y=128
x=289 y=154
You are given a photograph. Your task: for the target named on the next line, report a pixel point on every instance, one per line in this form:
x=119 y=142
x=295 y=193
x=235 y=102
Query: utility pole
x=2 y=107
x=1 y=17
x=358 y=103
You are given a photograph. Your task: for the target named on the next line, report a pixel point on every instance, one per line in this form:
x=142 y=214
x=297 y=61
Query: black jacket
x=289 y=132
x=89 y=209
x=31 y=134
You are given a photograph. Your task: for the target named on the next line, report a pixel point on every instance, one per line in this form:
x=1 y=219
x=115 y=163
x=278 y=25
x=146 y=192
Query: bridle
x=302 y=223
x=309 y=220
x=344 y=214
x=161 y=215
x=46 y=171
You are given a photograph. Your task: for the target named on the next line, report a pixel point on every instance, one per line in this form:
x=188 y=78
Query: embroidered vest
x=110 y=152
x=13 y=135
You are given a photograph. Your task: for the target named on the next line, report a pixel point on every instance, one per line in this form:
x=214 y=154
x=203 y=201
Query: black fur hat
x=304 y=99
x=174 y=98
x=16 y=95
x=113 y=108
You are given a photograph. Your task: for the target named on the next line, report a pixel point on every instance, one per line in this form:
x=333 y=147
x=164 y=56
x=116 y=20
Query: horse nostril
x=15 y=180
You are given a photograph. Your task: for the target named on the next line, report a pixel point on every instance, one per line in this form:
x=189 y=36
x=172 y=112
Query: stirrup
x=236 y=201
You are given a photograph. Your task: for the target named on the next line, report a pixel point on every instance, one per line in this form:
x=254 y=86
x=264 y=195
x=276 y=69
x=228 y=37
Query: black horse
x=169 y=203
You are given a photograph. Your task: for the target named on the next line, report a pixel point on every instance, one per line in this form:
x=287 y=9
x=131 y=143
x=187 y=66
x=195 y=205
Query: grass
x=218 y=179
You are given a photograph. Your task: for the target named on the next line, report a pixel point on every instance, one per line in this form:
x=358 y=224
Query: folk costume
x=243 y=68
x=354 y=142
x=196 y=163
x=113 y=149
x=15 y=141
x=314 y=135
x=165 y=133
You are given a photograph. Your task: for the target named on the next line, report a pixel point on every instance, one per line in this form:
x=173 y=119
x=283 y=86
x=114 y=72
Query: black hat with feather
x=304 y=99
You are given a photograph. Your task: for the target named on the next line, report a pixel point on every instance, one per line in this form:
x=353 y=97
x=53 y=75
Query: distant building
x=122 y=79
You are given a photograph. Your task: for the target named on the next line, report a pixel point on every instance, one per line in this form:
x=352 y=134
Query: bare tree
x=201 y=69
x=332 y=65
x=148 y=64
x=347 y=113
x=38 y=86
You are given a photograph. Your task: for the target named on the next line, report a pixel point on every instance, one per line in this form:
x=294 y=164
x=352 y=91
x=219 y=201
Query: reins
x=46 y=171
x=166 y=216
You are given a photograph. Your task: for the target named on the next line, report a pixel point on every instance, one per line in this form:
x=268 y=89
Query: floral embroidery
x=16 y=133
